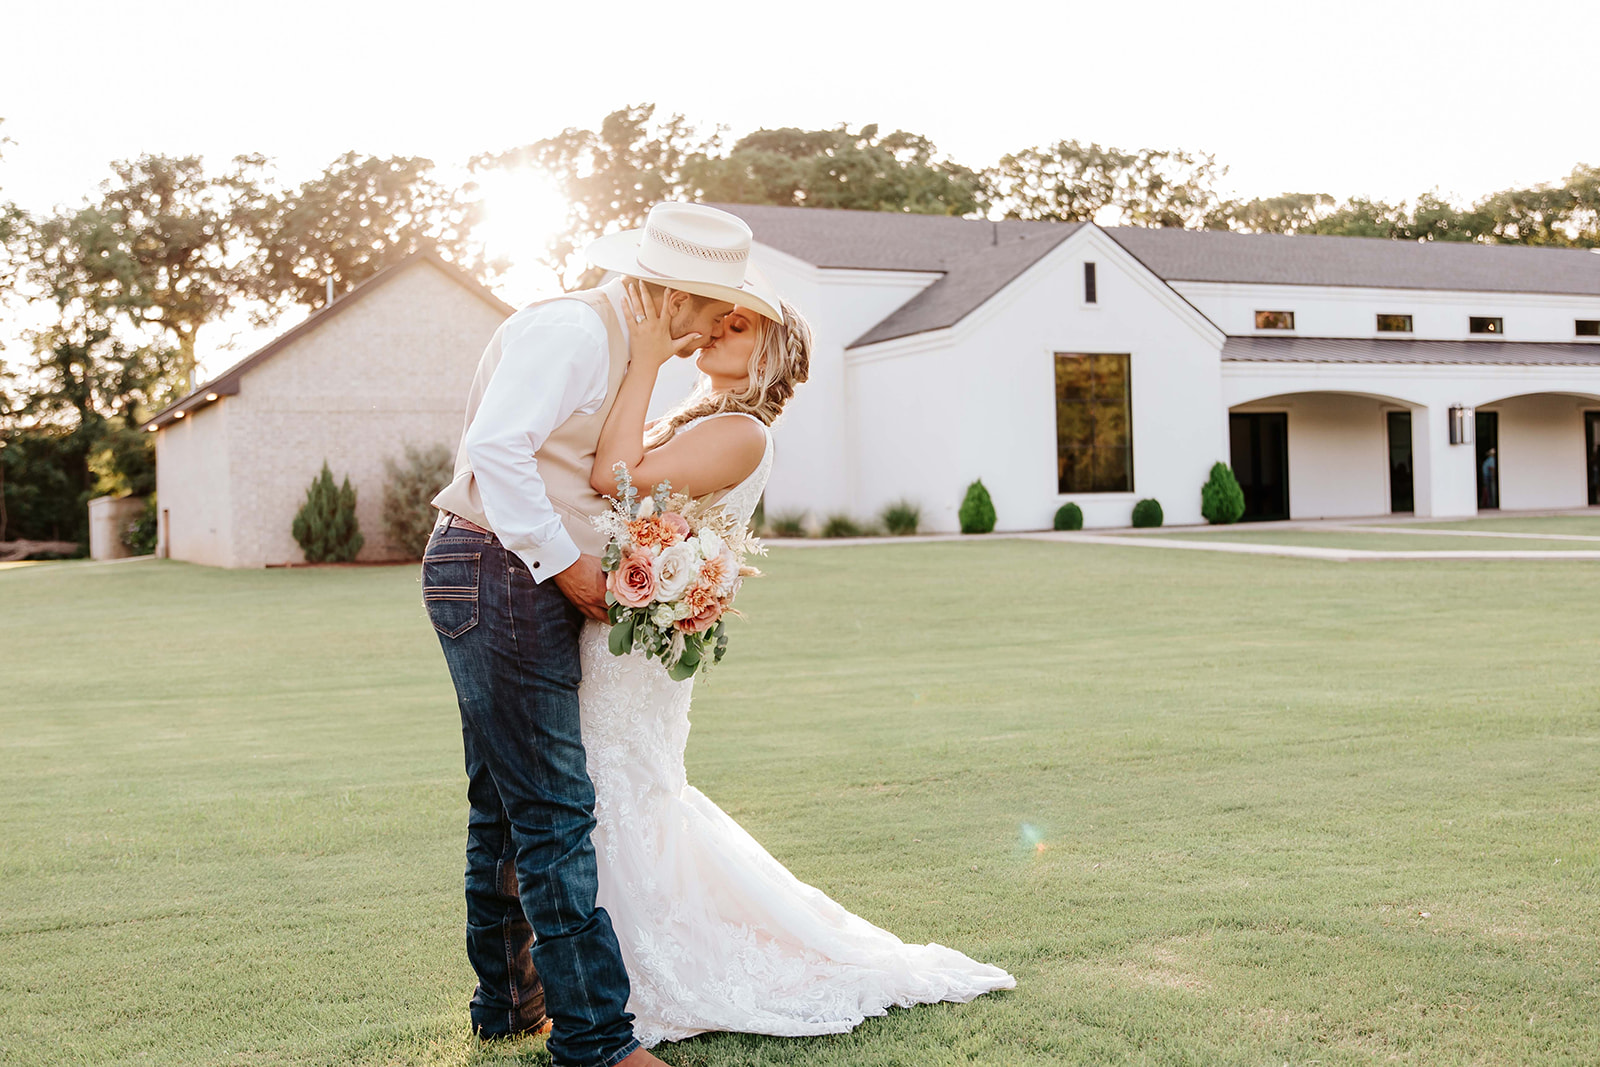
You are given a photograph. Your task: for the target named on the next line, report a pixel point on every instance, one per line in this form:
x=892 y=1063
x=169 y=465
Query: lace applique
x=715 y=933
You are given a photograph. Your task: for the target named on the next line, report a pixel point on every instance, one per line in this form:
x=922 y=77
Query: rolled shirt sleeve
x=553 y=364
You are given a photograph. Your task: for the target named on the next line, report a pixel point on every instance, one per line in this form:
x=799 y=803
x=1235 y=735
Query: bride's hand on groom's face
x=650 y=339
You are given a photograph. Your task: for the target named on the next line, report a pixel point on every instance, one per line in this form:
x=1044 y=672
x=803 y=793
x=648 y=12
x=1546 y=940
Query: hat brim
x=619 y=252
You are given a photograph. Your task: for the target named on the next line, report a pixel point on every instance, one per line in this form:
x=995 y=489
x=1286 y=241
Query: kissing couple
x=609 y=902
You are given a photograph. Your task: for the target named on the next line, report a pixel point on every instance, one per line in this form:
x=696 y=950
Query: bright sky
x=1385 y=99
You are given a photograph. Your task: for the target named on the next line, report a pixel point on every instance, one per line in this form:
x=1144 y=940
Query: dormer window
x=1274 y=320
x=1483 y=324
x=1394 y=323
x=1587 y=327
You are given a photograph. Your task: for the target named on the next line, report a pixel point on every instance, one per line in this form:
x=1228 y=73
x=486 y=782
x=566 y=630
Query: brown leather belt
x=452 y=519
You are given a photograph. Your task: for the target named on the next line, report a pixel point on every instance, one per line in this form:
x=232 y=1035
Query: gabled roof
x=1364 y=262
x=227 y=383
x=978 y=258
x=1404 y=350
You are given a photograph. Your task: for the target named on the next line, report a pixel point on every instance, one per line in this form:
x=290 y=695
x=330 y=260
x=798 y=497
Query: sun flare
x=523 y=212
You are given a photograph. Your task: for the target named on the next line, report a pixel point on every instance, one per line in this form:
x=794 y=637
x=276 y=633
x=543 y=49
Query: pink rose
x=695 y=624
x=633 y=583
x=676 y=525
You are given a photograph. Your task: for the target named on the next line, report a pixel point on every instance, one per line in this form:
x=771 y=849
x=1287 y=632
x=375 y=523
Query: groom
x=509 y=574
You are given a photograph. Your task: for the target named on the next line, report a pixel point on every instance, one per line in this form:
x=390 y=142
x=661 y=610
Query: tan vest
x=567 y=455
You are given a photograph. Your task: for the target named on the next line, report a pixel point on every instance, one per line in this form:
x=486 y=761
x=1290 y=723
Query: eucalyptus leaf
x=621 y=640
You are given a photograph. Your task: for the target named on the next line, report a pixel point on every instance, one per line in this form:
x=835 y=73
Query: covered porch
x=1344 y=428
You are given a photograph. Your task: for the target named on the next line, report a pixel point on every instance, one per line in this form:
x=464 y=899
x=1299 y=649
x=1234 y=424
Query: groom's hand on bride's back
x=584 y=583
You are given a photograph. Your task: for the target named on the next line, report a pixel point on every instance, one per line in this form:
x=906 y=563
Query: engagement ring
x=638 y=318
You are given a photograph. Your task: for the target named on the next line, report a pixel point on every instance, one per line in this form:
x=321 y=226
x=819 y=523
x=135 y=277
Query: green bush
x=901 y=518
x=842 y=525
x=408 y=518
x=139 y=535
x=1221 y=499
x=326 y=526
x=1147 y=512
x=758 y=518
x=977 y=510
x=788 y=524
x=1069 y=517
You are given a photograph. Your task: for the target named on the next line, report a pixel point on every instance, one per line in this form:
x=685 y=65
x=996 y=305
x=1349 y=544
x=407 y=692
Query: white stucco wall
x=1328 y=311
x=936 y=411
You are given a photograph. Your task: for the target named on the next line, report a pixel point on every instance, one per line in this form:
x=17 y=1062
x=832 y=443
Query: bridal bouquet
x=673 y=566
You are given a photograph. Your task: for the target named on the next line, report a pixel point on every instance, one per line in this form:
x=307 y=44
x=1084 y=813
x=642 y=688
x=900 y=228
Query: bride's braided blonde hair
x=780 y=361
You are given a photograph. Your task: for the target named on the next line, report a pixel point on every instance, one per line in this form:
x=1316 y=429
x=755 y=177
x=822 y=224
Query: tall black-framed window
x=1402 y=480
x=1486 y=435
x=1591 y=433
x=1094 y=423
x=1091 y=294
x=1259 y=447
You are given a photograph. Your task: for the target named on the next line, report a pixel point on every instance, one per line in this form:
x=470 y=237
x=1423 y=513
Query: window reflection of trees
x=1094 y=423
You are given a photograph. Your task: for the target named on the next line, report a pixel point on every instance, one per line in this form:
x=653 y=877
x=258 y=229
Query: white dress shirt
x=554 y=363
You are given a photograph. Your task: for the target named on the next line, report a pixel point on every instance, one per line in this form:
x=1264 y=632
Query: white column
x=1446 y=475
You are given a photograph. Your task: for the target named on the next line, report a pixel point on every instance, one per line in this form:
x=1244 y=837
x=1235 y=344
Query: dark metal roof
x=227 y=383
x=979 y=258
x=1385 y=350
x=1365 y=262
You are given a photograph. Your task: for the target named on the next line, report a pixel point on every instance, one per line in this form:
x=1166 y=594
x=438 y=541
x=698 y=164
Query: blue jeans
x=512 y=649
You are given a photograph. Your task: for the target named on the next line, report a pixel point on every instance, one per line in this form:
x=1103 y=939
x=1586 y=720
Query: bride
x=715 y=933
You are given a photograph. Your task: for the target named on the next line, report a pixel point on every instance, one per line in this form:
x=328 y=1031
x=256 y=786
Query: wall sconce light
x=211 y=396
x=1461 y=424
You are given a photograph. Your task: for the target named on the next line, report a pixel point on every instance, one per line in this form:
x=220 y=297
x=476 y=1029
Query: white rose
x=710 y=543
x=675 y=568
x=662 y=615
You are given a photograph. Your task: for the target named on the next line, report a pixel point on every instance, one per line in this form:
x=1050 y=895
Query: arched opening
x=1323 y=454
x=1537 y=451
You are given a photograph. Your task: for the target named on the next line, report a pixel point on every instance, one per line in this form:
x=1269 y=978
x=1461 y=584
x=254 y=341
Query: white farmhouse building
x=1069 y=362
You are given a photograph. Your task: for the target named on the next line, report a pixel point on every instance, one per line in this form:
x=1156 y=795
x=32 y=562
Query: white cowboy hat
x=694 y=249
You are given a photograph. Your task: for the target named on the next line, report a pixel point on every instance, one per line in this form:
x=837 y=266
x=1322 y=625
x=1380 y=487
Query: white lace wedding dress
x=715 y=933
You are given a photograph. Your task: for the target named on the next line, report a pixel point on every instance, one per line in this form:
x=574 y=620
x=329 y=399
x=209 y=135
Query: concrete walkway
x=1217 y=539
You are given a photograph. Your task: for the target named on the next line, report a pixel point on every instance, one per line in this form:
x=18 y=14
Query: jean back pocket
x=450 y=591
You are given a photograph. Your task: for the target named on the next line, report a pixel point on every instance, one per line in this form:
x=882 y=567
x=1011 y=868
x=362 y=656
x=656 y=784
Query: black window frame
x=1480 y=324
x=1289 y=315
x=1381 y=328
x=1126 y=446
x=1586 y=327
x=1091 y=288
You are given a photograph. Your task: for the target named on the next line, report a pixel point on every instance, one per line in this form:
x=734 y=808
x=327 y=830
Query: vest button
x=535 y=564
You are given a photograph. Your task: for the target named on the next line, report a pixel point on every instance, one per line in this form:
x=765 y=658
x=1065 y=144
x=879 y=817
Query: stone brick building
x=386 y=365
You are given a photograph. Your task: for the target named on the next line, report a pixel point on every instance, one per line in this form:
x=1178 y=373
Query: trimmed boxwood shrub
x=1221 y=499
x=1147 y=512
x=977 y=510
x=1069 y=517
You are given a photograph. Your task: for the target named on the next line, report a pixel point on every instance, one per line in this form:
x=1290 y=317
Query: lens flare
x=1030 y=838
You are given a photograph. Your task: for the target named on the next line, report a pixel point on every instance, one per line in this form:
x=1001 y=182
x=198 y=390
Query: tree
x=162 y=248
x=1074 y=182
x=359 y=216
x=1285 y=213
x=1221 y=497
x=898 y=171
x=609 y=176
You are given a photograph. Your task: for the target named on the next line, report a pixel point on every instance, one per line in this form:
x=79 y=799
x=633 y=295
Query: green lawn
x=1292 y=811
x=1587 y=525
